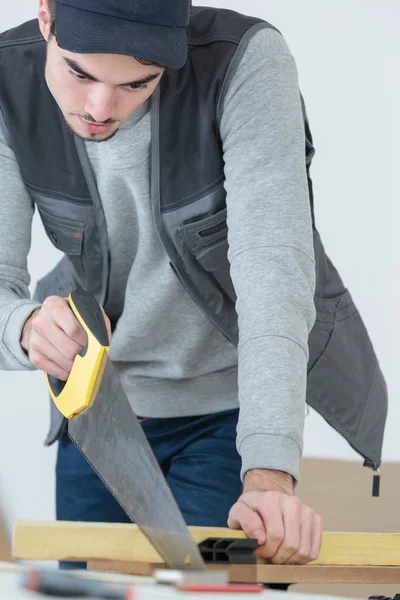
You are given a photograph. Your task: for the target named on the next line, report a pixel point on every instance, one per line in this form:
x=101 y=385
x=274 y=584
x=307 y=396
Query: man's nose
x=100 y=104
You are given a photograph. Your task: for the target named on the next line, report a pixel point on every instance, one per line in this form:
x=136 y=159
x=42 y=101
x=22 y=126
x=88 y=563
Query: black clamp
x=396 y=597
x=229 y=550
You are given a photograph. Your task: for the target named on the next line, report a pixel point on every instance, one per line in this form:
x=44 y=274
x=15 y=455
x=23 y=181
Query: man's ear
x=44 y=18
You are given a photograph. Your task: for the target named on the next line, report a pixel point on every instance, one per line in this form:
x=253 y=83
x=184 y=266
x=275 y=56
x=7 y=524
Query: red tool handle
x=228 y=588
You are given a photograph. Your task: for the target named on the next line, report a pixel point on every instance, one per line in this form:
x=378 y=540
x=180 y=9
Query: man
x=202 y=153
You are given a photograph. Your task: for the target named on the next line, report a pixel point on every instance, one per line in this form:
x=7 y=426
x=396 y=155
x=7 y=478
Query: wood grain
x=64 y=540
x=271 y=573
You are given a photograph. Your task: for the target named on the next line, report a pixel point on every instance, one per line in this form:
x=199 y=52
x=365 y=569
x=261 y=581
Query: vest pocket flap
x=66 y=235
x=206 y=231
x=214 y=257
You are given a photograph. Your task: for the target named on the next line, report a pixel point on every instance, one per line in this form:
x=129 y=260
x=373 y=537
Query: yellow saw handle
x=79 y=391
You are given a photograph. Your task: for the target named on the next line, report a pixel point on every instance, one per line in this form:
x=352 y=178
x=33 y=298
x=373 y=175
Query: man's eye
x=137 y=87
x=77 y=76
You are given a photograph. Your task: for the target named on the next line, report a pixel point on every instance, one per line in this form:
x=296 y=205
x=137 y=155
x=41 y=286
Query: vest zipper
x=99 y=215
x=367 y=461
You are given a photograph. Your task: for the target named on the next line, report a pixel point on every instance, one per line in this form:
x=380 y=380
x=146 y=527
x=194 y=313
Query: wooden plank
x=125 y=568
x=63 y=540
x=270 y=573
x=5 y=550
x=374 y=549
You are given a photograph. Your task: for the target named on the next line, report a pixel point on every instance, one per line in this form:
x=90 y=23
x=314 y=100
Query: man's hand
x=52 y=337
x=288 y=532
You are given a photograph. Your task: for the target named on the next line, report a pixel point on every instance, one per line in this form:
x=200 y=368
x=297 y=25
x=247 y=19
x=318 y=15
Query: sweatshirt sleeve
x=15 y=240
x=270 y=251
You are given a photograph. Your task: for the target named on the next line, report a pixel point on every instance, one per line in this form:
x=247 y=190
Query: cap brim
x=83 y=32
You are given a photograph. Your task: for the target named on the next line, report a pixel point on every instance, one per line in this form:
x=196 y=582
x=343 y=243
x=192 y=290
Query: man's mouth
x=92 y=127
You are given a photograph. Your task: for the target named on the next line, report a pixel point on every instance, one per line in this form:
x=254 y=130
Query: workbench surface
x=146 y=590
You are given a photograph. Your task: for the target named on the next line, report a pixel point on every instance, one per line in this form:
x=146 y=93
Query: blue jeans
x=197 y=455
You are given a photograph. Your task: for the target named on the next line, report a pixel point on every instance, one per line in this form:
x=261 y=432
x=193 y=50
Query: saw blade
x=111 y=439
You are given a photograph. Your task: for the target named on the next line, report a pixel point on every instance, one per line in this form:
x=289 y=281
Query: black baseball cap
x=155 y=30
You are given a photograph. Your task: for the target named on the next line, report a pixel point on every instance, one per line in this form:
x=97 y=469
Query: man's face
x=97 y=92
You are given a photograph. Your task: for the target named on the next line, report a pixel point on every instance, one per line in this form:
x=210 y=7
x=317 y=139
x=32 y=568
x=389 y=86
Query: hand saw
x=102 y=424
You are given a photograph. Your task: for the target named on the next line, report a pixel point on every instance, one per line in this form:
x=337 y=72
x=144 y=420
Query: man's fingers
x=303 y=554
x=48 y=366
x=52 y=337
x=291 y=513
x=267 y=505
x=40 y=347
x=62 y=315
x=316 y=539
x=56 y=338
x=293 y=530
x=60 y=347
x=243 y=517
x=270 y=513
x=311 y=528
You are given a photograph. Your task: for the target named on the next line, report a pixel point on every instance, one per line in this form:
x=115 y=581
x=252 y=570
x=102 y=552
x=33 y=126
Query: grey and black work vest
x=345 y=383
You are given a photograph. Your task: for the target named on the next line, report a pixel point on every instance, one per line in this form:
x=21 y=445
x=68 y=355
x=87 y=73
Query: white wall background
x=347 y=53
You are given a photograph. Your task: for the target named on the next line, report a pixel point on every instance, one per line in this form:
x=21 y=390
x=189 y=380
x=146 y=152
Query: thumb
x=243 y=517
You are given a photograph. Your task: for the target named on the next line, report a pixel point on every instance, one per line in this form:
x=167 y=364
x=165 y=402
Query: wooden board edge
x=125 y=567
x=270 y=573
x=63 y=540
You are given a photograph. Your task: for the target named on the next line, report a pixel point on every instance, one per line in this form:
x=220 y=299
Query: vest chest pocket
x=72 y=227
x=207 y=241
x=66 y=235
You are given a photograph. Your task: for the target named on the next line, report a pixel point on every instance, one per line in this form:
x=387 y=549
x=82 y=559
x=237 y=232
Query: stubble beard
x=92 y=137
